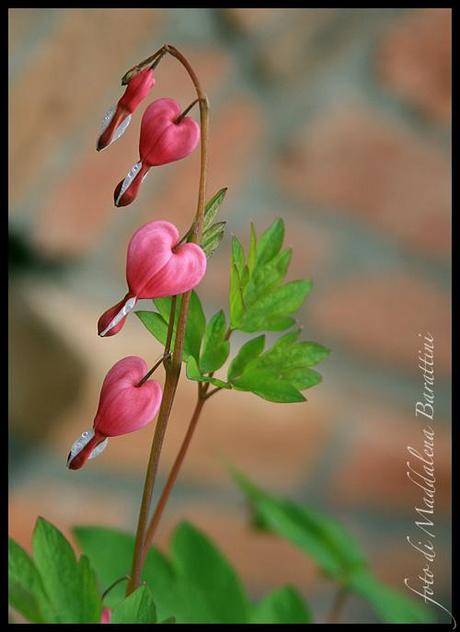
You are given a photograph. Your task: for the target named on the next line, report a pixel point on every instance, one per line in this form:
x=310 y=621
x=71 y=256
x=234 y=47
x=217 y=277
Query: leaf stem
x=173 y=367
x=173 y=474
x=338 y=604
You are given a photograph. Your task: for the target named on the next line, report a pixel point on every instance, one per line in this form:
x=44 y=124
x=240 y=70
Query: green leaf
x=270 y=242
x=249 y=351
x=237 y=254
x=91 y=602
x=280 y=373
x=323 y=539
x=99 y=544
x=169 y=620
x=194 y=373
x=283 y=605
x=197 y=560
x=212 y=208
x=26 y=592
x=279 y=302
x=70 y=589
x=138 y=607
x=212 y=239
x=214 y=348
x=390 y=605
x=236 y=297
x=157 y=323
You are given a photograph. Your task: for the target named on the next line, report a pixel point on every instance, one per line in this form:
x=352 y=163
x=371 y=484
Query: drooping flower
x=155 y=267
x=165 y=137
x=123 y=407
x=118 y=117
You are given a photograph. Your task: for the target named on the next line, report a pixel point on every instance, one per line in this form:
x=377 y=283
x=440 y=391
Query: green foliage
x=280 y=373
x=258 y=299
x=138 y=607
x=53 y=587
x=195 y=584
x=333 y=549
x=213 y=233
x=284 y=605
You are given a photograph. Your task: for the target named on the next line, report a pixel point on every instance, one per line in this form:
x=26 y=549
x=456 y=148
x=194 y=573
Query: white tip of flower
x=108 y=116
x=121 y=129
x=98 y=449
x=79 y=444
x=124 y=311
x=128 y=180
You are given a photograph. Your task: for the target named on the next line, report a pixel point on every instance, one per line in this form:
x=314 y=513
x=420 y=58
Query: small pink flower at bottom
x=165 y=137
x=123 y=407
x=155 y=267
x=106 y=615
x=118 y=117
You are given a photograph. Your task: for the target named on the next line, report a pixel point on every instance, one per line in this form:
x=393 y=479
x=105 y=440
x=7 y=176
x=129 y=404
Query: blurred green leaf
x=212 y=238
x=212 y=208
x=390 y=605
x=26 y=592
x=198 y=561
x=270 y=242
x=138 y=607
x=280 y=373
x=214 y=348
x=69 y=585
x=283 y=605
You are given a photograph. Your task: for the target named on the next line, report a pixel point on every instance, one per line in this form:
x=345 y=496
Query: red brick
x=414 y=59
x=377 y=454
x=353 y=161
x=62 y=87
x=379 y=318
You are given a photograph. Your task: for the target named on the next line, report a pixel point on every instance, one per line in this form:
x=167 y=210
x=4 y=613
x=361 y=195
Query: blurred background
x=336 y=120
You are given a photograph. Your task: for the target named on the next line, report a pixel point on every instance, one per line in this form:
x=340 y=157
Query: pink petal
x=149 y=250
x=138 y=88
x=106 y=615
x=182 y=273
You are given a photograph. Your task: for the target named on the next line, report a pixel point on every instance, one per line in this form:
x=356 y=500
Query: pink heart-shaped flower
x=123 y=407
x=156 y=267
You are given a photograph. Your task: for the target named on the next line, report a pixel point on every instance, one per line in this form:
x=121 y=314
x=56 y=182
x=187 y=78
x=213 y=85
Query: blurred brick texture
x=336 y=120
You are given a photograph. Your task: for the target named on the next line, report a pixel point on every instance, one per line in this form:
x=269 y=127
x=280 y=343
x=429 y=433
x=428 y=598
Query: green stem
x=174 y=366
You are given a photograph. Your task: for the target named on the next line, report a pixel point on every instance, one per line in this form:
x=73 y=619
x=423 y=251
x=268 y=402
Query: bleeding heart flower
x=123 y=407
x=106 y=615
x=118 y=117
x=165 y=137
x=156 y=266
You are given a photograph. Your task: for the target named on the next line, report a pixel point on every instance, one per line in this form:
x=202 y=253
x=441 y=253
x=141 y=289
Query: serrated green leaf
x=237 y=254
x=211 y=242
x=390 y=605
x=236 y=297
x=212 y=232
x=26 y=592
x=268 y=277
x=194 y=373
x=270 y=242
x=249 y=351
x=198 y=561
x=278 y=303
x=214 y=348
x=138 y=607
x=283 y=605
x=71 y=595
x=282 y=371
x=212 y=208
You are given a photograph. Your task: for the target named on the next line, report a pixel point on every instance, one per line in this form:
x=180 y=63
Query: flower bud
x=123 y=407
x=156 y=267
x=118 y=118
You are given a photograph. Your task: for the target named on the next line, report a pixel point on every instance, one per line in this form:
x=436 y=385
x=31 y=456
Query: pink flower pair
x=165 y=137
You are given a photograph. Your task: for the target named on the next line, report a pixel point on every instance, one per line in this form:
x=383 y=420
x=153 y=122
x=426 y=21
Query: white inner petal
x=80 y=443
x=127 y=307
x=108 y=116
x=121 y=129
x=98 y=449
x=129 y=178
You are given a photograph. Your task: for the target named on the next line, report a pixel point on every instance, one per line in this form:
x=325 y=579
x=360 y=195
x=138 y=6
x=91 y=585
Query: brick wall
x=336 y=120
